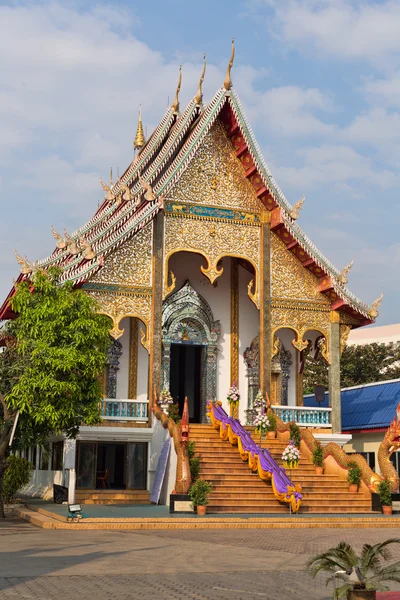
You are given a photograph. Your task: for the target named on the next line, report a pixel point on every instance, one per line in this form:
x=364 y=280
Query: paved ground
x=167 y=565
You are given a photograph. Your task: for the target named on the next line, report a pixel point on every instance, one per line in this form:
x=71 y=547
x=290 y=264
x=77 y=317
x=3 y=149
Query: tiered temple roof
x=140 y=192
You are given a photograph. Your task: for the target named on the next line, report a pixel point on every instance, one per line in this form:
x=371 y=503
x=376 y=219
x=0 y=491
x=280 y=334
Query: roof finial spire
x=228 y=80
x=175 y=104
x=199 y=95
x=111 y=179
x=140 y=140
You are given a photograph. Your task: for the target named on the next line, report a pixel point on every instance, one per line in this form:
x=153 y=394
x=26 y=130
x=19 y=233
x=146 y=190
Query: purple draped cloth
x=281 y=480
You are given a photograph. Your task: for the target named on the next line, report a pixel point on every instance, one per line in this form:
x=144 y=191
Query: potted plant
x=271 y=428
x=367 y=571
x=261 y=422
x=354 y=477
x=318 y=459
x=385 y=496
x=199 y=493
x=291 y=456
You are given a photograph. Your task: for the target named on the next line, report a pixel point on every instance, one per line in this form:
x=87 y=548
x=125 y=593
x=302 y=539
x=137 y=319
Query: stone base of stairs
x=47 y=519
x=112 y=496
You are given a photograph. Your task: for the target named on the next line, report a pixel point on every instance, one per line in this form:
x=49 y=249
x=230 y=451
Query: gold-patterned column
x=133 y=358
x=265 y=304
x=234 y=329
x=156 y=305
x=299 y=381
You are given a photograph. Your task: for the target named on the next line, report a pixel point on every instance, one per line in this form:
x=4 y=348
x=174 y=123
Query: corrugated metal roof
x=365 y=407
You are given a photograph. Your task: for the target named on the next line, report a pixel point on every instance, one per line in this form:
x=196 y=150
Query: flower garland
x=233 y=396
x=165 y=400
x=291 y=456
x=261 y=422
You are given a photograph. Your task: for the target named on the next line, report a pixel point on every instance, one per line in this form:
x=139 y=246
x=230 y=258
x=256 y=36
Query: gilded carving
x=289 y=279
x=300 y=317
x=130 y=264
x=118 y=305
x=344 y=334
x=168 y=288
x=234 y=338
x=133 y=358
x=216 y=177
x=213 y=240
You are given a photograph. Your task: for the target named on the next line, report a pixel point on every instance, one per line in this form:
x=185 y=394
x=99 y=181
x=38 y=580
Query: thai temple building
x=209 y=280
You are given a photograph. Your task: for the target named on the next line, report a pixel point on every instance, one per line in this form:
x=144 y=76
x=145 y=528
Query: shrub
x=17 y=475
x=272 y=422
x=317 y=456
x=173 y=413
x=199 y=493
x=354 y=474
x=295 y=434
x=194 y=461
x=385 y=494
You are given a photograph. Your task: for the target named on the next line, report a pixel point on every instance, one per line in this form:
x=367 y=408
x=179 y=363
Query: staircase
x=237 y=490
x=106 y=496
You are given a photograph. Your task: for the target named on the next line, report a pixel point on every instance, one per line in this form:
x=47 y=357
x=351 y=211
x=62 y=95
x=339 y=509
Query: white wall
x=143 y=367
x=123 y=373
x=249 y=327
x=286 y=336
x=185 y=266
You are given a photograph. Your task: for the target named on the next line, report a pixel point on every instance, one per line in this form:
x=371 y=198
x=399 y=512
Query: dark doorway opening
x=185 y=378
x=111 y=461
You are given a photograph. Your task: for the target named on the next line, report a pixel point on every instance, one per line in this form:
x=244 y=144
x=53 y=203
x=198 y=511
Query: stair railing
x=259 y=459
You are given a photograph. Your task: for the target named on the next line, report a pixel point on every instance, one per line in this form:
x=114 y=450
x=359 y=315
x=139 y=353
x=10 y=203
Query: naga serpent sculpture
x=390 y=443
x=180 y=435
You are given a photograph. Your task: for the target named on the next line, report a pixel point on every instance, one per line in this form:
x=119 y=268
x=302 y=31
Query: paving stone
x=251 y=564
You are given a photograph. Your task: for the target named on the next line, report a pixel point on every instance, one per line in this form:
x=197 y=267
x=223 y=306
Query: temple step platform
x=238 y=490
x=109 y=496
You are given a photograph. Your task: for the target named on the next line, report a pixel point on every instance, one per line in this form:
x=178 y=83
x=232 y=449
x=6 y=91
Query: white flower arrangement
x=233 y=396
x=261 y=422
x=291 y=456
x=165 y=400
x=259 y=402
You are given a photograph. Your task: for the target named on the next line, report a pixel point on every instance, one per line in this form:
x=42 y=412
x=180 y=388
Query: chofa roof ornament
x=108 y=188
x=149 y=195
x=26 y=266
x=228 y=81
x=199 y=94
x=175 y=104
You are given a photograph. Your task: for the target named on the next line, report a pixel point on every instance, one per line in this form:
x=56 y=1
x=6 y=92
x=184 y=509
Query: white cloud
x=347 y=29
x=288 y=110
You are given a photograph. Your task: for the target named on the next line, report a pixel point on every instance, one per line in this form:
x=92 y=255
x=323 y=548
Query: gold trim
x=334 y=316
x=211 y=271
x=344 y=334
x=234 y=322
x=133 y=359
x=169 y=288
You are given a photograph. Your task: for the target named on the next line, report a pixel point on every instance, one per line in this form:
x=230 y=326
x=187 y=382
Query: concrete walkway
x=250 y=564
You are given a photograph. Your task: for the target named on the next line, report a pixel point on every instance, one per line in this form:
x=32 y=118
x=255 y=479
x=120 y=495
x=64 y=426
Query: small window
x=57 y=456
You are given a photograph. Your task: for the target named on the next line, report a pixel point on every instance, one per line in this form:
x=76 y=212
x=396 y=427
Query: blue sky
x=319 y=80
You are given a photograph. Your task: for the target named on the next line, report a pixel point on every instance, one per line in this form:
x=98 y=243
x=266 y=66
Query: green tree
x=55 y=350
x=358 y=365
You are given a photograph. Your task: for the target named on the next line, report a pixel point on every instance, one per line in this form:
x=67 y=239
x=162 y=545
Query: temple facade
x=199 y=261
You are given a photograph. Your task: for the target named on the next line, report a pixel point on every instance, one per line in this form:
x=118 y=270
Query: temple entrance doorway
x=185 y=377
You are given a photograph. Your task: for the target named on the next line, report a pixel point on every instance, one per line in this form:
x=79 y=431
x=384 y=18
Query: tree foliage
x=358 y=365
x=55 y=350
x=17 y=475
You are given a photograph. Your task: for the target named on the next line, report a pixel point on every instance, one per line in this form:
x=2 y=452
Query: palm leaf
x=342 y=558
x=371 y=555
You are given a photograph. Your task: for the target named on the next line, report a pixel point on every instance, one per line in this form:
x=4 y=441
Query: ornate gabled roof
x=158 y=166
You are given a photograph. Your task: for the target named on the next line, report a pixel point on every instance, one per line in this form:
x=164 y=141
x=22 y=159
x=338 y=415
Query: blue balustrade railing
x=124 y=410
x=303 y=415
